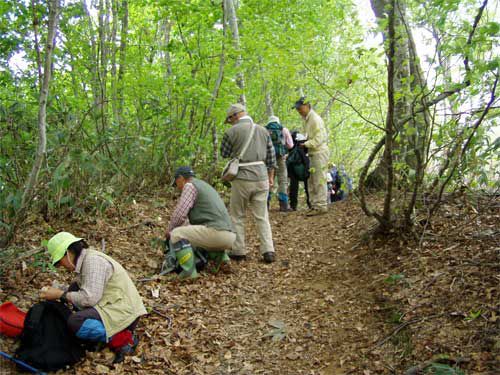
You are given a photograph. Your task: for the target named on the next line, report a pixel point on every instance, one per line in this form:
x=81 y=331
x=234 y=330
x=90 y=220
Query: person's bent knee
x=176 y=235
x=74 y=322
x=92 y=330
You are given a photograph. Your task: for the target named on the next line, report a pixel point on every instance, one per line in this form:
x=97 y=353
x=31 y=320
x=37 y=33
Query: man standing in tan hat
x=317 y=145
x=250 y=188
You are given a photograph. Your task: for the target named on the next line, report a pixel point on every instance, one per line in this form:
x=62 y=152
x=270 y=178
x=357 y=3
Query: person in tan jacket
x=317 y=145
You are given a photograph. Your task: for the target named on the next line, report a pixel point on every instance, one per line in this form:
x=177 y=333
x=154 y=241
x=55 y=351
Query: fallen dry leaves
x=328 y=305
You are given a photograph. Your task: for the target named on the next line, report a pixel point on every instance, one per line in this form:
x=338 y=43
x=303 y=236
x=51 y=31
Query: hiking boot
x=237 y=258
x=220 y=258
x=317 y=211
x=284 y=206
x=185 y=256
x=268 y=257
x=125 y=350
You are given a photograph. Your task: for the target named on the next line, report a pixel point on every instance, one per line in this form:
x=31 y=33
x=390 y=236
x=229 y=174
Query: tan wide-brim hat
x=234 y=109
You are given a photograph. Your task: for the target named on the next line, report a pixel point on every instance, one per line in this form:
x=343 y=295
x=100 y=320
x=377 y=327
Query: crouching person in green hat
x=210 y=224
x=108 y=302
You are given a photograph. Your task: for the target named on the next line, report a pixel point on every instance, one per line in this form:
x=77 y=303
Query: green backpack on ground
x=276 y=132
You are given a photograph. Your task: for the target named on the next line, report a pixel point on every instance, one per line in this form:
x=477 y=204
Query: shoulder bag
x=231 y=169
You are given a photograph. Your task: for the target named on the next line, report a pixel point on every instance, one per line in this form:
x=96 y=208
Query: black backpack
x=296 y=164
x=46 y=342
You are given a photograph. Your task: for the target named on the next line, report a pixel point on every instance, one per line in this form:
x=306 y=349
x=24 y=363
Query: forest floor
x=332 y=303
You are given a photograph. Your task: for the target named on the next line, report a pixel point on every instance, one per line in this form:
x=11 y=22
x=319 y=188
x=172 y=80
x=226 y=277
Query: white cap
x=300 y=137
x=273 y=119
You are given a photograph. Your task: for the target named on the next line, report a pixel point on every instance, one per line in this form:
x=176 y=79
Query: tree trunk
x=410 y=84
x=265 y=88
x=42 y=114
x=103 y=18
x=123 y=59
x=215 y=94
x=230 y=10
x=167 y=29
x=94 y=63
x=36 y=22
x=114 y=90
x=386 y=223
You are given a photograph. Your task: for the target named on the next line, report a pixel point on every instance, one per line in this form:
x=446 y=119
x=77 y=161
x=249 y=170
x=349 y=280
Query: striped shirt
x=93 y=273
x=185 y=204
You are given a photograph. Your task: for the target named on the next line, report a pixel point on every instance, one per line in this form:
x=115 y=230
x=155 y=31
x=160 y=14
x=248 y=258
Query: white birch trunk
x=31 y=182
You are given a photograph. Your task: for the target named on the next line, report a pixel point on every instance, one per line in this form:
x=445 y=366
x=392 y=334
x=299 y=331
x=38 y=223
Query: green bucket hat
x=58 y=245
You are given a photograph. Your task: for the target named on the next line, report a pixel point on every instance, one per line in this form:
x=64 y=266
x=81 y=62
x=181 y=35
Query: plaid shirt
x=185 y=204
x=226 y=149
x=93 y=273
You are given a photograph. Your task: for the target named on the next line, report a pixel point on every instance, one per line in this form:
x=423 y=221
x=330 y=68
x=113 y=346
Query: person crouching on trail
x=210 y=224
x=107 y=300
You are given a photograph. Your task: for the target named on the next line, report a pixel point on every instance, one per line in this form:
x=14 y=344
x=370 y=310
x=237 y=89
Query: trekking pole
x=22 y=364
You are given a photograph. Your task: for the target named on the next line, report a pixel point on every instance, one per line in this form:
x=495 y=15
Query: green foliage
x=42 y=261
x=473 y=315
x=392 y=279
x=133 y=98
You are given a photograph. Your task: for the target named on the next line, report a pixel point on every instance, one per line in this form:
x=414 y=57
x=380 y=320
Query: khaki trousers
x=282 y=177
x=204 y=237
x=251 y=194
x=317 y=180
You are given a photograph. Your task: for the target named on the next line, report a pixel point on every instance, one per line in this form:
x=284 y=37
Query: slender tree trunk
x=32 y=180
x=265 y=88
x=167 y=27
x=114 y=90
x=123 y=59
x=326 y=112
x=36 y=22
x=215 y=94
x=103 y=17
x=94 y=63
x=230 y=10
x=390 y=120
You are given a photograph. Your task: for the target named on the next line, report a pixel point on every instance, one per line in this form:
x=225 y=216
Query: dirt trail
x=316 y=310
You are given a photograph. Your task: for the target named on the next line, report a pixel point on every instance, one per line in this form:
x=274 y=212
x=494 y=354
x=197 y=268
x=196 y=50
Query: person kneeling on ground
x=210 y=224
x=107 y=300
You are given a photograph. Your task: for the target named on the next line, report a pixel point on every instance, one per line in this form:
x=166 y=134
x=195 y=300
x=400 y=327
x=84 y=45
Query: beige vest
x=256 y=151
x=121 y=303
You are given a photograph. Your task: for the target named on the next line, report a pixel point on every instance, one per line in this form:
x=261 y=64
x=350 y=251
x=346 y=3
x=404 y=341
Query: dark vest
x=209 y=209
